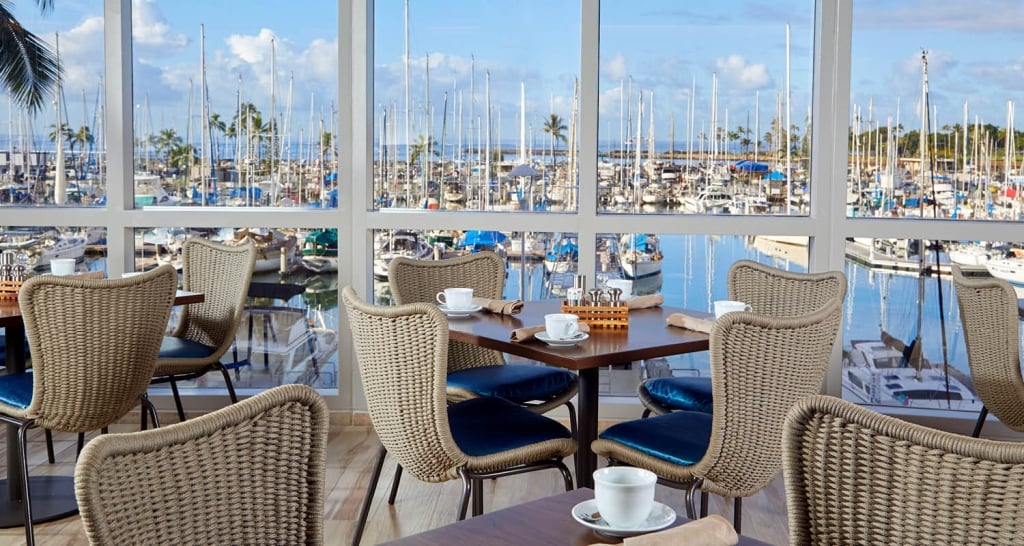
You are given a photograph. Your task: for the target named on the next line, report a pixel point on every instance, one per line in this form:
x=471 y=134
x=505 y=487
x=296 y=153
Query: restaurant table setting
x=713 y=530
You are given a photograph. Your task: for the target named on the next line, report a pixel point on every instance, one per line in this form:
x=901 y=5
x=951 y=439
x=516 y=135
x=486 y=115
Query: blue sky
x=666 y=46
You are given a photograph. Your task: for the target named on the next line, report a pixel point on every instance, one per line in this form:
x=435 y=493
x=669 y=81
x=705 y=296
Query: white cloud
x=736 y=74
x=151 y=30
x=615 y=69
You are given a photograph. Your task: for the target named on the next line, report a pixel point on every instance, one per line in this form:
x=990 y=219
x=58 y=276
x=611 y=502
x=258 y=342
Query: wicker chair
x=988 y=312
x=769 y=291
x=207 y=330
x=403 y=355
x=854 y=476
x=130 y=490
x=94 y=346
x=476 y=371
x=760 y=366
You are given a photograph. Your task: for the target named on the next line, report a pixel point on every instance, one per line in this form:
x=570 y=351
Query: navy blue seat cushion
x=488 y=425
x=680 y=437
x=518 y=383
x=16 y=389
x=176 y=347
x=681 y=393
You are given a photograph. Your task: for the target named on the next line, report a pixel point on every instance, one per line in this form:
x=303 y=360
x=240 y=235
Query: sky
x=671 y=50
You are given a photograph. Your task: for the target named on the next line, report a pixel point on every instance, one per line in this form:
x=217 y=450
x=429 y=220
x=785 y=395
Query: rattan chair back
x=94 y=345
x=250 y=473
x=854 y=476
x=988 y=312
x=402 y=351
x=222 y=274
x=760 y=366
x=419 y=281
x=780 y=293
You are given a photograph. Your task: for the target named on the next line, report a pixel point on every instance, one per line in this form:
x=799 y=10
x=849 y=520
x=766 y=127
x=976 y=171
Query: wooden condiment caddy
x=9 y=289
x=599 y=316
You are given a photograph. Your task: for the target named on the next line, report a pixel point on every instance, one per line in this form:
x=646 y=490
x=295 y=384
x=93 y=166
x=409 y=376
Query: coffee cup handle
x=439 y=297
x=571 y=329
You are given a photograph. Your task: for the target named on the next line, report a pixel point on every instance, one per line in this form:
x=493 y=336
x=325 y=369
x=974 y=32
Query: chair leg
x=737 y=513
x=49 y=446
x=478 y=497
x=81 y=444
x=566 y=476
x=572 y=418
x=147 y=406
x=177 y=401
x=980 y=423
x=691 y=499
x=26 y=498
x=364 y=510
x=228 y=384
x=394 y=484
x=704 y=501
x=467 y=489
x=646 y=413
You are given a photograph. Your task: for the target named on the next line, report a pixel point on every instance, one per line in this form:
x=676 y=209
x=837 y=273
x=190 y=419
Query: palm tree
x=82 y=137
x=166 y=141
x=423 y=143
x=219 y=126
x=554 y=127
x=28 y=69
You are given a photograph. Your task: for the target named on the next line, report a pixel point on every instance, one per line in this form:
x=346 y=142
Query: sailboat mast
x=203 y=108
x=60 y=193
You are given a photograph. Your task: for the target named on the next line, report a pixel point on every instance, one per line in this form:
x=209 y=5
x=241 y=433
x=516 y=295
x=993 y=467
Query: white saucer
x=661 y=517
x=568 y=342
x=459 y=313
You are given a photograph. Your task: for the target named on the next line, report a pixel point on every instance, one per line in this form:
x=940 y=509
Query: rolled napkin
x=526 y=333
x=682 y=320
x=90 y=275
x=501 y=307
x=643 y=302
x=713 y=530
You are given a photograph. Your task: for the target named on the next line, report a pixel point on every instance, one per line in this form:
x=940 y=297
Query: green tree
x=554 y=127
x=28 y=69
x=182 y=155
x=83 y=137
x=419 y=149
x=220 y=127
x=165 y=141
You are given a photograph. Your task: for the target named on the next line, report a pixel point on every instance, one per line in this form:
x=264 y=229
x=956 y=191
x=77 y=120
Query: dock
x=909 y=264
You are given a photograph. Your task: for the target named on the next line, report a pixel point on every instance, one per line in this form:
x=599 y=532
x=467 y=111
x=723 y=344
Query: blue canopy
x=481 y=240
x=775 y=175
x=564 y=247
x=749 y=166
x=637 y=241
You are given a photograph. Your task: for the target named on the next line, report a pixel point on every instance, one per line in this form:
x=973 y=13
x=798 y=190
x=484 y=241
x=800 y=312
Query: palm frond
x=28 y=69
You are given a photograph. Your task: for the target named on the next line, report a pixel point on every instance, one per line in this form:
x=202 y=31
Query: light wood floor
x=420 y=506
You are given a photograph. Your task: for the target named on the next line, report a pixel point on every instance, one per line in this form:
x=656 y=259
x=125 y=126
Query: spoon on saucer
x=590 y=518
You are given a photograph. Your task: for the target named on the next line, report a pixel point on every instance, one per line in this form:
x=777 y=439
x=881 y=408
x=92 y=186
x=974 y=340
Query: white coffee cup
x=624 y=495
x=561 y=325
x=62 y=266
x=456 y=299
x=625 y=285
x=728 y=306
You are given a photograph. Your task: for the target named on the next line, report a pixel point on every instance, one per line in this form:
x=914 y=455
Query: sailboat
x=639 y=255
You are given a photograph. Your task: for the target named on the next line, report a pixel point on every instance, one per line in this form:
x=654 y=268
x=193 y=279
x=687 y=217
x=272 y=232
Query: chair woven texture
x=854 y=476
x=222 y=274
x=250 y=473
x=760 y=366
x=419 y=281
x=988 y=312
x=769 y=291
x=402 y=353
x=94 y=345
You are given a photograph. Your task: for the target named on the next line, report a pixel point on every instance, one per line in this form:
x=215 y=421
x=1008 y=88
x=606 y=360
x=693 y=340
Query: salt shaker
x=614 y=294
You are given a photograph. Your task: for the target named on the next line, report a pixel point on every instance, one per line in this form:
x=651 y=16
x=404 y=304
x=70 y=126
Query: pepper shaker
x=595 y=296
x=614 y=294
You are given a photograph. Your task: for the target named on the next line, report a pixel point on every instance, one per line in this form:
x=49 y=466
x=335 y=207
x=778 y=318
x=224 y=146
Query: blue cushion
x=176 y=347
x=681 y=393
x=487 y=425
x=679 y=437
x=16 y=389
x=517 y=383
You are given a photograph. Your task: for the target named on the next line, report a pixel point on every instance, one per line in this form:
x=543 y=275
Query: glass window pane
x=476 y=105
x=289 y=329
x=239 y=111
x=693 y=123
x=36 y=247
x=54 y=153
x=932 y=132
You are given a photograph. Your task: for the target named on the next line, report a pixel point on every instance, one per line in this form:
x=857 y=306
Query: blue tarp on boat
x=775 y=175
x=564 y=249
x=749 y=166
x=481 y=240
x=637 y=241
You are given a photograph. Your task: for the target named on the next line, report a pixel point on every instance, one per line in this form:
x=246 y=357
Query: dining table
x=647 y=336
x=547 y=521
x=53 y=497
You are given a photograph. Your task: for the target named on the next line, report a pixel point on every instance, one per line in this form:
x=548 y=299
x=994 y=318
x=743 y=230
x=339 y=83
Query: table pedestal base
x=53 y=498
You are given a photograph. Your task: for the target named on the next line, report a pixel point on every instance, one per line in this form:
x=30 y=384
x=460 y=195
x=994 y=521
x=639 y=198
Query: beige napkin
x=501 y=307
x=713 y=530
x=526 y=333
x=690 y=322
x=90 y=275
x=643 y=302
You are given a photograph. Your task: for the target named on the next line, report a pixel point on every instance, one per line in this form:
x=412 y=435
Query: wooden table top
x=10 y=313
x=542 y=522
x=648 y=336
